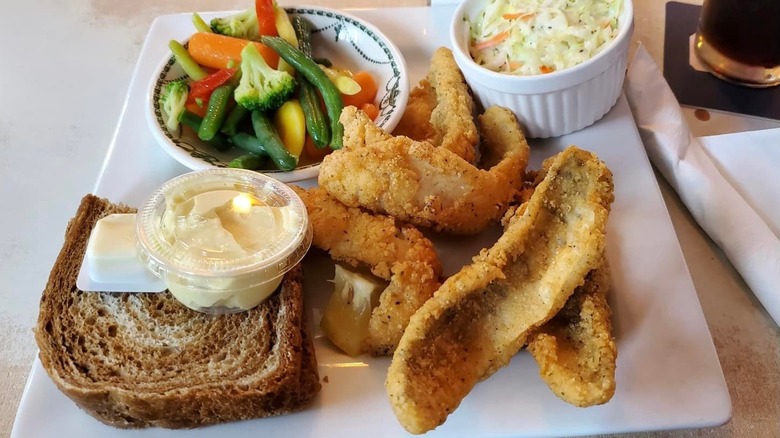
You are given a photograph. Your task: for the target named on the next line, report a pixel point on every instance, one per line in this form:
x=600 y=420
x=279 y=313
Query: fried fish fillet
x=441 y=110
x=575 y=351
x=397 y=253
x=416 y=123
x=481 y=316
x=428 y=186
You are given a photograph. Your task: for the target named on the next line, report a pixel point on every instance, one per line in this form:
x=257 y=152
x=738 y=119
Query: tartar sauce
x=226 y=225
x=222 y=239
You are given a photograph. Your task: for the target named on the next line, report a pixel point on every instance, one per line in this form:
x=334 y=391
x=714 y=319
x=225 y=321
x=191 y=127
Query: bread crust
x=140 y=360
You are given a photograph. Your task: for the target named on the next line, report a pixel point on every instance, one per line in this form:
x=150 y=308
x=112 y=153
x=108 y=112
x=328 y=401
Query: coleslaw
x=531 y=37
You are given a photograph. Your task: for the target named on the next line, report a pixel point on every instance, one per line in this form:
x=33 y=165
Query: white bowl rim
x=545 y=83
x=301 y=173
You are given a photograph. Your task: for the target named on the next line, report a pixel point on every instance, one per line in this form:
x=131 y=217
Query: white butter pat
x=111 y=251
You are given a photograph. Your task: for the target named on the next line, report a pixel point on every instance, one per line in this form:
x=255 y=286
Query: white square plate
x=668 y=373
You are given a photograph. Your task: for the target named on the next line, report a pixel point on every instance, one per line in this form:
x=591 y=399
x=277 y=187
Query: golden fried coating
x=505 y=148
x=428 y=186
x=416 y=120
x=575 y=351
x=481 y=316
x=397 y=253
x=441 y=109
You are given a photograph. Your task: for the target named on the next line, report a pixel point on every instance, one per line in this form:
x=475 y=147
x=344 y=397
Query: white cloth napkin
x=730 y=183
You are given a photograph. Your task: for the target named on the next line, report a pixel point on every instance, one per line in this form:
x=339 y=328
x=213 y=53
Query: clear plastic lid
x=207 y=226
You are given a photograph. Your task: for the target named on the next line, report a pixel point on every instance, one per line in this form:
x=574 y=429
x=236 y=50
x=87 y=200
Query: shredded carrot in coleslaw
x=492 y=41
x=520 y=15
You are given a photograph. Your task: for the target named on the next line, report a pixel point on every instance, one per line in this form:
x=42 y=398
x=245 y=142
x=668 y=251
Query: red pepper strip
x=202 y=89
x=194 y=108
x=266 y=20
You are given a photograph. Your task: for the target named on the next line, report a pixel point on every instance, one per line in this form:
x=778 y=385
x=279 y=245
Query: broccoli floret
x=172 y=100
x=261 y=87
x=239 y=25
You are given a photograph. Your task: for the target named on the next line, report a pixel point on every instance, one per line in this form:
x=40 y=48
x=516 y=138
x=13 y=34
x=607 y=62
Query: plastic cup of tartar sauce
x=222 y=239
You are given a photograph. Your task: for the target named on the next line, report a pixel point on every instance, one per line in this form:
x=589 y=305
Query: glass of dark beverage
x=739 y=40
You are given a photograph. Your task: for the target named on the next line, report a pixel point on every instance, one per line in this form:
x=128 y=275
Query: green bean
x=193 y=121
x=316 y=122
x=216 y=111
x=266 y=134
x=182 y=56
x=248 y=143
x=200 y=24
x=247 y=161
x=233 y=119
x=303 y=33
x=312 y=72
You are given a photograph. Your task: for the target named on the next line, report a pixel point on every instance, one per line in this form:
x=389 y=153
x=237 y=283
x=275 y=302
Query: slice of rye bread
x=143 y=359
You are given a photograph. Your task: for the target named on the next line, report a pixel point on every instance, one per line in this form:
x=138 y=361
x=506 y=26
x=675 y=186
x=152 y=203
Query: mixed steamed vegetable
x=253 y=84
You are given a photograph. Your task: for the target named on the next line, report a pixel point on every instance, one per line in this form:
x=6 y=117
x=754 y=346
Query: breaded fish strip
x=441 y=109
x=425 y=185
x=399 y=254
x=575 y=350
x=481 y=316
x=416 y=123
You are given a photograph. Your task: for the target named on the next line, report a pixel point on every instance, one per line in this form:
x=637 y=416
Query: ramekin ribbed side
x=562 y=111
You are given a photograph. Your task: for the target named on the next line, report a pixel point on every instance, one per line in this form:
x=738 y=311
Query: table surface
x=62 y=87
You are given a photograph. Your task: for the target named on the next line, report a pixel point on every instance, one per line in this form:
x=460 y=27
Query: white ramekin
x=553 y=104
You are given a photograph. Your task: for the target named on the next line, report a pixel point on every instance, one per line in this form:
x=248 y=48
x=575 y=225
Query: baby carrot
x=220 y=51
x=371 y=110
x=367 y=93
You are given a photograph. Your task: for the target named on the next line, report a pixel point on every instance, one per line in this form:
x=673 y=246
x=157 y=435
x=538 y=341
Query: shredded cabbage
x=530 y=37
